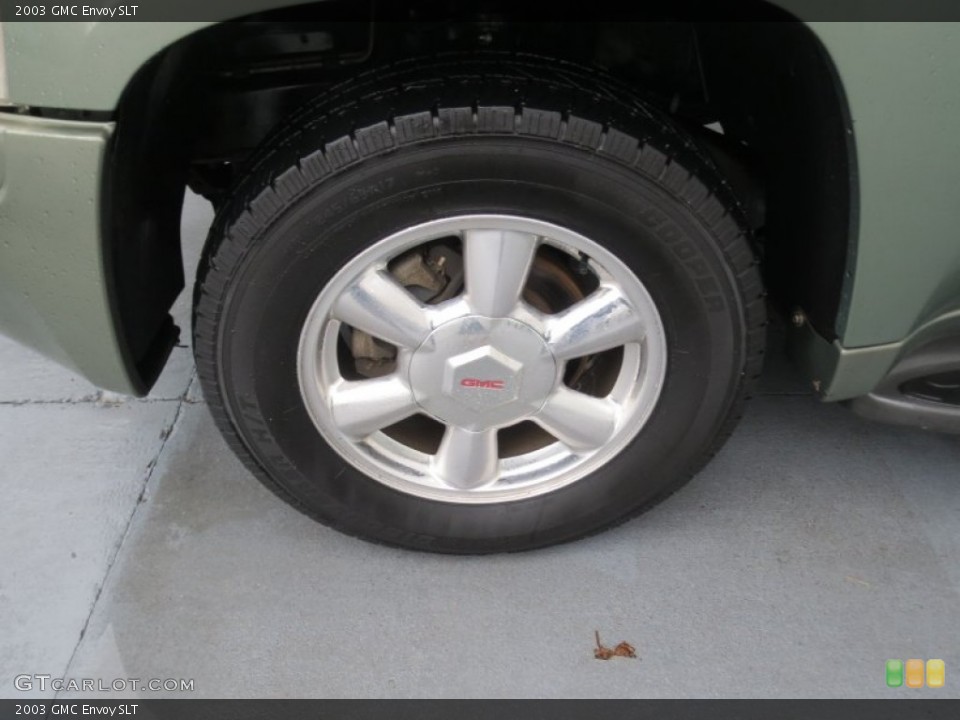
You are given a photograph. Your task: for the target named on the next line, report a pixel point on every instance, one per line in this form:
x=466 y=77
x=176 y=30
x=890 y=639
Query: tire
x=513 y=143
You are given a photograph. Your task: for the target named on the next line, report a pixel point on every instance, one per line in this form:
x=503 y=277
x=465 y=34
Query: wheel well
x=762 y=97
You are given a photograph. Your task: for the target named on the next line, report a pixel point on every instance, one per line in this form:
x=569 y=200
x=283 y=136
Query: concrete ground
x=812 y=549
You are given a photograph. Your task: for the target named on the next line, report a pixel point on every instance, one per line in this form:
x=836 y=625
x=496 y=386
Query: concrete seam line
x=166 y=434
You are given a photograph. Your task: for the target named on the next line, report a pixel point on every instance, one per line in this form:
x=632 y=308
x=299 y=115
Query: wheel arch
x=186 y=133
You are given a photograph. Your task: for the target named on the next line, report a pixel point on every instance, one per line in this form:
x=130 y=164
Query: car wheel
x=474 y=306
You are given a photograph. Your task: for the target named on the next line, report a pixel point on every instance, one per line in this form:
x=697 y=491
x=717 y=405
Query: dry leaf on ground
x=624 y=649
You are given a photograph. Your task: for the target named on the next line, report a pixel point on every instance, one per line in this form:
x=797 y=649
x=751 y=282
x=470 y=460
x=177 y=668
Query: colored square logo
x=894 y=673
x=936 y=673
x=914 y=673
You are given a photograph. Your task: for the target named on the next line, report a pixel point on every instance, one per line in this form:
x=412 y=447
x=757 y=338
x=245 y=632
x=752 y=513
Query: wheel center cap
x=477 y=372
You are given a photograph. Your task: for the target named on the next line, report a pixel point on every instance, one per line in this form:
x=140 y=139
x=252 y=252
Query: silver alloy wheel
x=481 y=364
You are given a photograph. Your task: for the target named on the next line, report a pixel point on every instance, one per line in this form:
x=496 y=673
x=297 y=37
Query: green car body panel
x=52 y=267
x=902 y=280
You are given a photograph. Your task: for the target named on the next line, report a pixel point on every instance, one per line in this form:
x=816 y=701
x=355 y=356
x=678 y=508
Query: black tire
x=422 y=140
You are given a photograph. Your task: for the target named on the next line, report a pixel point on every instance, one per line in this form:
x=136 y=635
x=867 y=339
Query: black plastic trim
x=142 y=198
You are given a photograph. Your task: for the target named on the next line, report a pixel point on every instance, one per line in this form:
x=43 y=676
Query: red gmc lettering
x=478 y=383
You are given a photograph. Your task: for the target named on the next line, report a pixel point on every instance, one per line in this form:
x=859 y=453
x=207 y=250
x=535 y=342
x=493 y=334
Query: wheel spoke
x=583 y=422
x=603 y=320
x=362 y=407
x=378 y=305
x=496 y=264
x=467 y=460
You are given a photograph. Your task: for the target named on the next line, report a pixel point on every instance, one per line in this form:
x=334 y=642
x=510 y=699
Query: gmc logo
x=486 y=384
